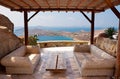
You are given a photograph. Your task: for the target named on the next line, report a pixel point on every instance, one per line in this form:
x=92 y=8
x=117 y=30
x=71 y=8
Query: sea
x=19 y=31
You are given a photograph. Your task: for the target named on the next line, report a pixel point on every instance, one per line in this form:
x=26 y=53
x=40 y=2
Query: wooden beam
x=115 y=11
x=26 y=27
x=59 y=9
x=32 y=16
x=86 y=16
x=117 y=70
x=92 y=27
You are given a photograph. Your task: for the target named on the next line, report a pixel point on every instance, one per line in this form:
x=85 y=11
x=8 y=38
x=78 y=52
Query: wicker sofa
x=22 y=60
x=93 y=61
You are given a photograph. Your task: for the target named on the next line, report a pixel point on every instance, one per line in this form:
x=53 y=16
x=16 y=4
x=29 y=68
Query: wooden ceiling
x=57 y=5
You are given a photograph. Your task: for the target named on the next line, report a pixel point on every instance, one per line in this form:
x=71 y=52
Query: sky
x=62 y=19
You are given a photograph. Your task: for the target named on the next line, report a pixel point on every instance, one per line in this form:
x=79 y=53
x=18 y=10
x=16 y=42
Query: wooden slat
x=58 y=3
x=46 y=1
x=6 y=5
x=80 y=3
x=51 y=63
x=86 y=3
x=26 y=3
x=100 y=4
x=68 y=3
x=21 y=3
x=116 y=12
x=15 y=4
x=91 y=3
x=31 y=3
x=36 y=3
x=9 y=4
x=61 y=63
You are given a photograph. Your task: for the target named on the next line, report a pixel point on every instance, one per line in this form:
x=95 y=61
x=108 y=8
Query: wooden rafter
x=46 y=1
x=80 y=3
x=26 y=3
x=113 y=8
x=32 y=16
x=36 y=3
x=68 y=3
x=91 y=3
x=119 y=1
x=11 y=3
x=58 y=3
x=15 y=4
x=86 y=16
x=6 y=5
x=100 y=4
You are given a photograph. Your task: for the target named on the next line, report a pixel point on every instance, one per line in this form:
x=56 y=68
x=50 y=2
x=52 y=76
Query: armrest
x=98 y=63
x=82 y=48
x=16 y=61
x=33 y=49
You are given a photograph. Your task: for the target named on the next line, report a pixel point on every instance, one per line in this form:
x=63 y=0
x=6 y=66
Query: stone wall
x=8 y=40
x=4 y=21
x=108 y=45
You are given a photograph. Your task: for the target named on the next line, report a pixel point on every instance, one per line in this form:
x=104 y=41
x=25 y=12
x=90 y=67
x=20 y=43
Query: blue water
x=49 y=38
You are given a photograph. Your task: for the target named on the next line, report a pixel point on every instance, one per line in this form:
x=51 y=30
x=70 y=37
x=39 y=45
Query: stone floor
x=72 y=71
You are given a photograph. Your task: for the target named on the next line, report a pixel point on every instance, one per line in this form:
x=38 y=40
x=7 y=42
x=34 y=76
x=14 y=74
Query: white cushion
x=98 y=63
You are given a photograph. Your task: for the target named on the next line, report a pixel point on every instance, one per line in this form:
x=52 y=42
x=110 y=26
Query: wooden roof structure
x=58 y=5
x=92 y=6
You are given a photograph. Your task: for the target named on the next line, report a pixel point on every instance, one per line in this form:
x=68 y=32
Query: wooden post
x=117 y=72
x=26 y=27
x=92 y=27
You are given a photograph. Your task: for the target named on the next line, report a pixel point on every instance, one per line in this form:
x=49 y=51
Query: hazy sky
x=69 y=19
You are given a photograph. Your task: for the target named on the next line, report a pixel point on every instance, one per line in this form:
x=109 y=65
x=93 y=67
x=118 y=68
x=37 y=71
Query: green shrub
x=110 y=32
x=32 y=40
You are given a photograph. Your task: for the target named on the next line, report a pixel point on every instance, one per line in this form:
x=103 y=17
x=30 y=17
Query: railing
x=61 y=43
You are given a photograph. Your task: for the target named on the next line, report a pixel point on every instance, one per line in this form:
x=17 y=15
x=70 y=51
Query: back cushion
x=99 y=52
x=18 y=52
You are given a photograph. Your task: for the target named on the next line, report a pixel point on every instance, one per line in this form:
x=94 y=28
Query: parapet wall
x=61 y=43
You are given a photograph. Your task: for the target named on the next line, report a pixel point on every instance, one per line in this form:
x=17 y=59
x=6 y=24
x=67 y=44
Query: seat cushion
x=18 y=52
x=98 y=63
x=34 y=59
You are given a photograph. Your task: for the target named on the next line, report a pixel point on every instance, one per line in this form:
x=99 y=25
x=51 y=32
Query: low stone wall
x=108 y=45
x=61 y=43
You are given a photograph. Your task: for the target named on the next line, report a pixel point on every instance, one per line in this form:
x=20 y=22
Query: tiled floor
x=72 y=71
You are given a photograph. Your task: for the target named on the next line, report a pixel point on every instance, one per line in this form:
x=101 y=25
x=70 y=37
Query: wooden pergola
x=93 y=6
